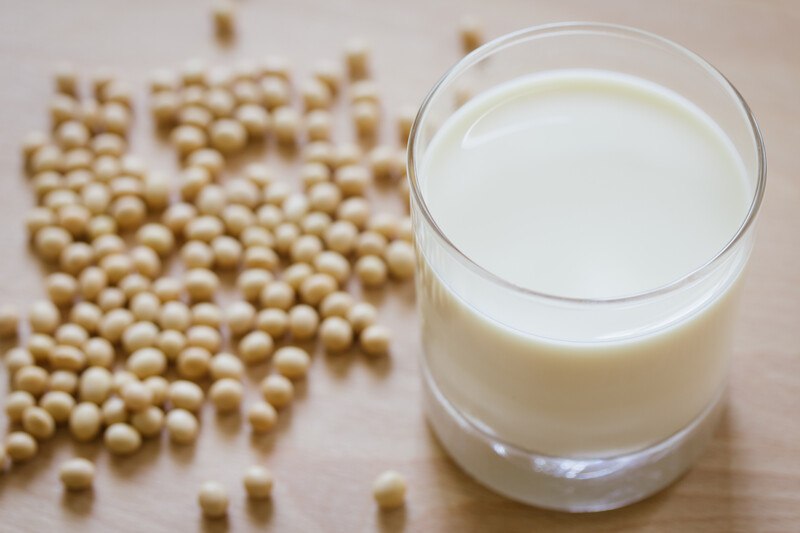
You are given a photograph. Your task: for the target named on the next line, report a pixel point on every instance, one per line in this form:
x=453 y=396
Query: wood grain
x=355 y=417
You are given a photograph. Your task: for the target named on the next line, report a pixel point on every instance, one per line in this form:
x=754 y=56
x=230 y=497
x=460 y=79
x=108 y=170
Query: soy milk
x=592 y=185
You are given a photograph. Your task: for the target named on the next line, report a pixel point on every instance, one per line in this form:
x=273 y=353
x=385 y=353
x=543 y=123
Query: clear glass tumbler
x=649 y=372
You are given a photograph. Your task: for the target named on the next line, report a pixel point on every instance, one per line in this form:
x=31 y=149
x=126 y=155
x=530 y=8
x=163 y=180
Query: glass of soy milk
x=583 y=218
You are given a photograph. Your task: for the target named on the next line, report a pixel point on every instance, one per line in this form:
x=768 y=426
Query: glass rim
x=509 y=39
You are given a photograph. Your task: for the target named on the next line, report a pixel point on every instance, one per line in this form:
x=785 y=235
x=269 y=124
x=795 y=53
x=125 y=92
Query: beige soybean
x=205 y=336
x=303 y=322
x=315 y=94
x=275 y=193
x=21 y=447
x=274 y=322
x=133 y=284
x=258 y=482
x=85 y=421
x=58 y=404
x=168 y=289
x=226 y=394
x=240 y=316
x=316 y=287
x=17 y=358
x=91 y=282
x=227 y=252
x=375 y=339
x=262 y=417
x=292 y=362
x=355 y=210
x=294 y=275
x=255 y=347
x=319 y=124
x=156 y=236
x=85 y=315
x=400 y=259
x=341 y=237
x=95 y=385
x=352 y=179
x=252 y=281
x=38 y=422
x=325 y=197
x=116 y=266
x=64 y=381
x=389 y=490
x=185 y=395
x=257 y=236
x=187 y=139
x=32 y=379
x=139 y=335
x=177 y=216
x=112 y=298
x=145 y=306
x=204 y=228
x=182 y=426
x=225 y=365
x=122 y=439
x=371 y=243
x=128 y=211
x=357 y=54
x=137 y=396
x=208 y=158
x=277 y=390
x=76 y=474
x=228 y=136
x=122 y=378
x=16 y=404
x=260 y=257
x=207 y=314
x=361 y=316
x=192 y=362
x=366 y=117
x=40 y=346
x=148 y=422
x=278 y=294
x=146 y=362
x=336 y=303
x=213 y=499
x=336 y=334
x=254 y=119
x=405 y=119
x=76 y=257
x=145 y=261
x=114 y=411
x=305 y=249
x=175 y=315
x=61 y=288
x=316 y=223
x=334 y=264
x=385 y=224
x=286 y=123
x=99 y=352
x=371 y=270
x=201 y=284
x=471 y=34
x=64 y=357
x=171 y=343
x=44 y=317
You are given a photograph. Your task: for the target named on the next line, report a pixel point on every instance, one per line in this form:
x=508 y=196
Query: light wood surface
x=354 y=417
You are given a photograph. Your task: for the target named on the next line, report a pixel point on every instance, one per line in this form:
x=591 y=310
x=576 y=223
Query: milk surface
x=583 y=184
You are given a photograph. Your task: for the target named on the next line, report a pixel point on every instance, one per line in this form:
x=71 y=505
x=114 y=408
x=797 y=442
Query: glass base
x=573 y=485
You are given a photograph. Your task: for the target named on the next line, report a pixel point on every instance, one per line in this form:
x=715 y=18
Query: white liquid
x=583 y=184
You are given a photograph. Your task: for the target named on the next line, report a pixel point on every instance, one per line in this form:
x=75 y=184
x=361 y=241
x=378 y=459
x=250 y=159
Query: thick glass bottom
x=563 y=484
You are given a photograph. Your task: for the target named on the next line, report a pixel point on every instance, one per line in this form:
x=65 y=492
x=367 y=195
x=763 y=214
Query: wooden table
x=356 y=418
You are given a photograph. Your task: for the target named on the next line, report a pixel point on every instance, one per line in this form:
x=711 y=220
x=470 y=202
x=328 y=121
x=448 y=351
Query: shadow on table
x=705 y=499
